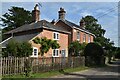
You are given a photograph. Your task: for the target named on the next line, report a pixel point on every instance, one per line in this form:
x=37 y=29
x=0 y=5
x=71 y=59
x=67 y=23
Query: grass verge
x=45 y=74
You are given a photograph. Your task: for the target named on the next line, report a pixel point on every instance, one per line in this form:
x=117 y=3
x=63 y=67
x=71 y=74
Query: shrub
x=93 y=54
x=76 y=48
x=17 y=49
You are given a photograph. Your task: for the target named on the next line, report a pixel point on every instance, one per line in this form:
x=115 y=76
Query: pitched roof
x=73 y=25
x=20 y=38
x=37 y=25
x=26 y=37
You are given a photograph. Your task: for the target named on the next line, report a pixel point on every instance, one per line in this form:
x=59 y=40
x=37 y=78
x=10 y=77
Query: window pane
x=54 y=36
x=35 y=52
x=88 y=38
x=84 y=38
x=56 y=52
x=53 y=52
x=78 y=35
x=57 y=36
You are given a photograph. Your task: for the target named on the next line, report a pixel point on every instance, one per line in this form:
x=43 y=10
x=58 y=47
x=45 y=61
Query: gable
x=70 y=26
x=63 y=26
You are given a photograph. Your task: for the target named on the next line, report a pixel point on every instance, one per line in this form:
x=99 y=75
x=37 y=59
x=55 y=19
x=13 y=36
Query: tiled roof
x=37 y=25
x=20 y=38
x=73 y=25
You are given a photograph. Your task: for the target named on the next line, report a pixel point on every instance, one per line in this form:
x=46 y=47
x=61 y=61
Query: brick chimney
x=36 y=13
x=82 y=23
x=62 y=14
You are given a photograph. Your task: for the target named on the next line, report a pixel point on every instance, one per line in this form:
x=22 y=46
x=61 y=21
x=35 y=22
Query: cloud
x=85 y=13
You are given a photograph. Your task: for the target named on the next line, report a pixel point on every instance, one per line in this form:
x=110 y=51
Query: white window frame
x=78 y=36
x=56 y=36
x=89 y=38
x=84 y=37
x=55 y=53
x=36 y=52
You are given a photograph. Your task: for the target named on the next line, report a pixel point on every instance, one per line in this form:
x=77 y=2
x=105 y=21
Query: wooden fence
x=15 y=65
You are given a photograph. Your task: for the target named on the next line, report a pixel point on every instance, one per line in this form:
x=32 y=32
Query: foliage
x=28 y=67
x=15 y=17
x=93 y=54
x=76 y=48
x=117 y=55
x=24 y=49
x=17 y=49
x=91 y=24
x=93 y=49
x=11 y=49
x=46 y=44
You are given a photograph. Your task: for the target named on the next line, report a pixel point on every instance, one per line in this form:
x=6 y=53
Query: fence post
x=0 y=68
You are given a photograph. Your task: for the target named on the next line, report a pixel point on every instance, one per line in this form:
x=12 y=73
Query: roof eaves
x=6 y=40
x=84 y=31
x=56 y=30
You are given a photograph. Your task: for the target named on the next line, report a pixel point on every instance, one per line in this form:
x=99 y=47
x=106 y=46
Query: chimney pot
x=36 y=13
x=82 y=23
x=62 y=13
x=53 y=21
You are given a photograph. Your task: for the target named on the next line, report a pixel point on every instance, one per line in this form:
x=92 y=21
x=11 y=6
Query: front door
x=63 y=53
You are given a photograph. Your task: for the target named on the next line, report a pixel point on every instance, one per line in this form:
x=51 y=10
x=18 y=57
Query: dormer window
x=55 y=36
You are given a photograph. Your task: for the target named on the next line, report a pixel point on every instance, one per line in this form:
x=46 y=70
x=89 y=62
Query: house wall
x=63 y=42
x=74 y=37
x=65 y=27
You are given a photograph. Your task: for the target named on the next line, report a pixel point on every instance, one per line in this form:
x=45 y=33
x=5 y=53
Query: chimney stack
x=53 y=21
x=82 y=23
x=62 y=14
x=36 y=13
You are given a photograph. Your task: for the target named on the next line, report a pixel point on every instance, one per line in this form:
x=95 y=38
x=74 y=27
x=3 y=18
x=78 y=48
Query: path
x=112 y=72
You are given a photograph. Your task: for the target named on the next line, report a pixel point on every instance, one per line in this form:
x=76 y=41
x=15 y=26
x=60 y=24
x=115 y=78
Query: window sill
x=33 y=56
x=55 y=39
x=55 y=56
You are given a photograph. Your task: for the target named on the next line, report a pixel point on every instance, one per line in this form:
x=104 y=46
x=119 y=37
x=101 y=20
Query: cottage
x=78 y=32
x=61 y=30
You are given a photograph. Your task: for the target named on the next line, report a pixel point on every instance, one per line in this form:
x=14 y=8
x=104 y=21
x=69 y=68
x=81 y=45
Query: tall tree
x=91 y=24
x=15 y=17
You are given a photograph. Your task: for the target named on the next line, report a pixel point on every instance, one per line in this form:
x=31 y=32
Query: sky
x=105 y=12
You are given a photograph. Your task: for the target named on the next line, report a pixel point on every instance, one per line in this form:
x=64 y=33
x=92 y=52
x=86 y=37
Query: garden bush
x=94 y=54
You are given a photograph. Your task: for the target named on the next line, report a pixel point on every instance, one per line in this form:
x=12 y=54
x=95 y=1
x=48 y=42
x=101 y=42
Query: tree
x=15 y=17
x=91 y=24
x=46 y=44
x=76 y=48
x=18 y=49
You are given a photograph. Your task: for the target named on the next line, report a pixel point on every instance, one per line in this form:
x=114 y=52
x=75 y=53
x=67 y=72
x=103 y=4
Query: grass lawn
x=45 y=74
